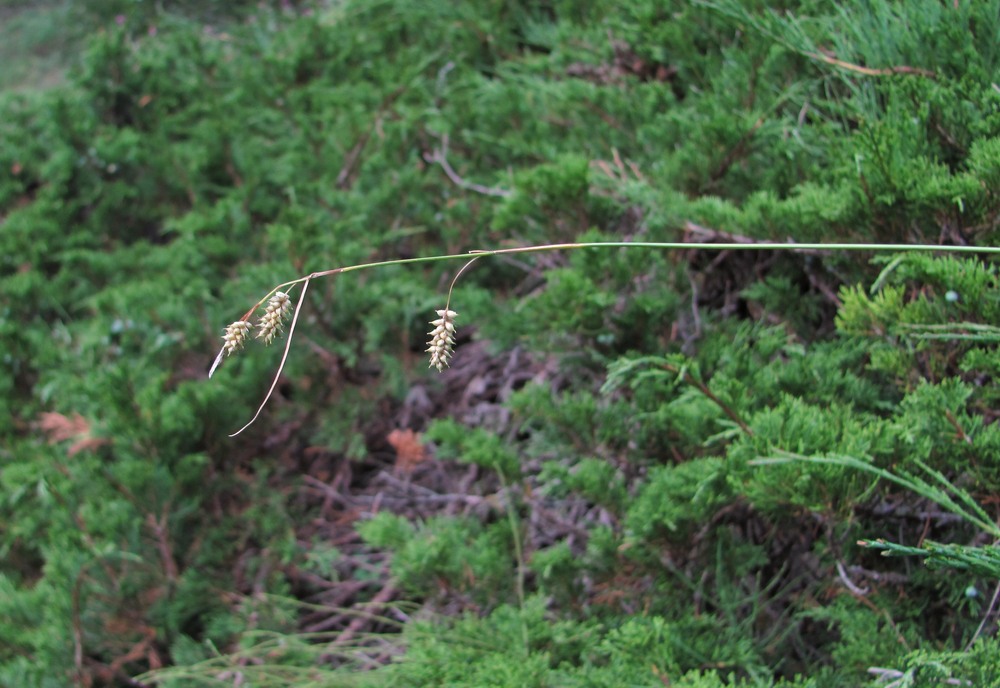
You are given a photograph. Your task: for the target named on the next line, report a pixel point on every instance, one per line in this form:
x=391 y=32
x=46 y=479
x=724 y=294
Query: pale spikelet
x=271 y=322
x=442 y=343
x=235 y=335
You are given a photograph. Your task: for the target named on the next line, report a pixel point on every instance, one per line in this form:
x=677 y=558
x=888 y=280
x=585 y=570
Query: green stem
x=666 y=246
x=515 y=529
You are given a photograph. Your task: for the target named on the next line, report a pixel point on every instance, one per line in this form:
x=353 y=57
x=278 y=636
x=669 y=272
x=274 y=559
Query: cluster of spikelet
x=272 y=321
x=236 y=334
x=440 y=347
x=442 y=343
x=269 y=325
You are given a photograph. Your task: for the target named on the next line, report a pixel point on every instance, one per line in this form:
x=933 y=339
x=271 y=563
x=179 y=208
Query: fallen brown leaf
x=409 y=450
x=59 y=428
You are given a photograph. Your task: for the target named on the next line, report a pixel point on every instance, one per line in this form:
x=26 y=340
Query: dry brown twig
x=439 y=156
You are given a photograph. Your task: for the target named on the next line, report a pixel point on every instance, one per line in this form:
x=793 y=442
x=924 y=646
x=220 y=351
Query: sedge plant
x=277 y=303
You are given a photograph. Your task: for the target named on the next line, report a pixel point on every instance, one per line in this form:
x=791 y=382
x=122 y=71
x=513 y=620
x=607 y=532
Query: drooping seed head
x=235 y=336
x=271 y=323
x=442 y=343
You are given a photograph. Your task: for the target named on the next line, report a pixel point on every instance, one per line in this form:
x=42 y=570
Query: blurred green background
x=643 y=467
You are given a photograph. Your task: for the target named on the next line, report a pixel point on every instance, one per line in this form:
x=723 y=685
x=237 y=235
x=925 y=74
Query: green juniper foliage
x=659 y=460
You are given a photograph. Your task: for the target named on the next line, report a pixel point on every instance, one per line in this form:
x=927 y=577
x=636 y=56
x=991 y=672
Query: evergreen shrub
x=719 y=447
